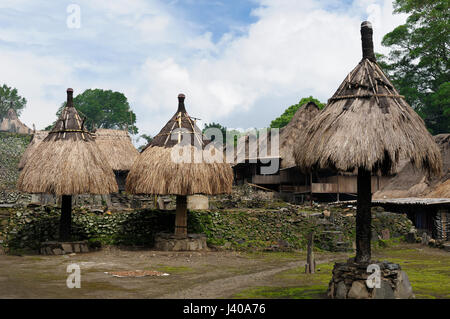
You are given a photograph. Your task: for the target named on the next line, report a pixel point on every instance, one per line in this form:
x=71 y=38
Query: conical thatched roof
x=117 y=147
x=67 y=161
x=11 y=123
x=36 y=139
x=289 y=134
x=155 y=172
x=367 y=124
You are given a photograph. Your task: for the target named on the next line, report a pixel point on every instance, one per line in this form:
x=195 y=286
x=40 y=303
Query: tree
x=9 y=98
x=285 y=118
x=223 y=129
x=104 y=109
x=147 y=138
x=418 y=63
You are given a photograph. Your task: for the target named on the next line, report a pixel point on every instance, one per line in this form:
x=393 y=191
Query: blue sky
x=240 y=63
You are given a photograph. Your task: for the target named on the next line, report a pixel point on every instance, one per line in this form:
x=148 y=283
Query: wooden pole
x=65 y=223
x=181 y=216
x=311 y=193
x=363 y=216
x=310 y=266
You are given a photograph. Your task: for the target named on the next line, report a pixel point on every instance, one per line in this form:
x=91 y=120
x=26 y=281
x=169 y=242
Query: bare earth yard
x=224 y=274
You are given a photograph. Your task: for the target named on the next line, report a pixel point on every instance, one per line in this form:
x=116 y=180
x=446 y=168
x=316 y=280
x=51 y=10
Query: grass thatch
x=367 y=124
x=11 y=123
x=154 y=172
x=290 y=133
x=67 y=168
x=67 y=161
x=37 y=138
x=117 y=147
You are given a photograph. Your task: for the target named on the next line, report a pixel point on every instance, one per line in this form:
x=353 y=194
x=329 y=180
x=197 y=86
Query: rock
x=84 y=248
x=432 y=242
x=326 y=213
x=58 y=251
x=404 y=288
x=341 y=291
x=384 y=292
x=358 y=291
x=67 y=247
x=385 y=234
x=411 y=237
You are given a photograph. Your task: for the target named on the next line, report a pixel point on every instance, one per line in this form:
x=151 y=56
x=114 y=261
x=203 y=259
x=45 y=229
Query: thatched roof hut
x=290 y=133
x=67 y=161
x=117 y=147
x=159 y=170
x=154 y=172
x=36 y=139
x=366 y=125
x=11 y=123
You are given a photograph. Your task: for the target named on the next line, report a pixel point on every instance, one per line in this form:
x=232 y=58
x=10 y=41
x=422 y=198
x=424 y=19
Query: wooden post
x=311 y=193
x=310 y=266
x=363 y=216
x=181 y=216
x=65 y=222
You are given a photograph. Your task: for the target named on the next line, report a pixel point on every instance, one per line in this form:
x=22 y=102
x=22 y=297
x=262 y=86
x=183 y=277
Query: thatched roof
x=290 y=133
x=367 y=124
x=155 y=172
x=36 y=139
x=11 y=123
x=67 y=161
x=117 y=147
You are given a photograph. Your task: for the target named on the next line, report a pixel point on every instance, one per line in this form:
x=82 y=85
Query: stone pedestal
x=62 y=248
x=170 y=242
x=349 y=282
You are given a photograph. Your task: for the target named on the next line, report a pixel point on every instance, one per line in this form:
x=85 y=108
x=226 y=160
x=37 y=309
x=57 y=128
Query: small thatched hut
x=367 y=126
x=11 y=123
x=158 y=169
x=67 y=162
x=36 y=139
x=118 y=149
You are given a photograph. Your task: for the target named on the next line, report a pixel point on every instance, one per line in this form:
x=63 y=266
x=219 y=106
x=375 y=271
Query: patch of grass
x=428 y=273
x=174 y=269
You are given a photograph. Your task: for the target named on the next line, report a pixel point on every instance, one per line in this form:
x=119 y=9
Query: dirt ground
x=215 y=274
x=191 y=274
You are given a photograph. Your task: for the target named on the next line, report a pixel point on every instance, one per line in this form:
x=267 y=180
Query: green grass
x=428 y=271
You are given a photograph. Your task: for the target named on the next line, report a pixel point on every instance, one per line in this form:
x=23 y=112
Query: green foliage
x=285 y=118
x=418 y=63
x=9 y=98
x=147 y=138
x=223 y=129
x=103 y=109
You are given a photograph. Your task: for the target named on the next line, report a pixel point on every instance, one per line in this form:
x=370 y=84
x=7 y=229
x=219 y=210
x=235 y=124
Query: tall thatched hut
x=160 y=170
x=36 y=139
x=67 y=162
x=367 y=126
x=118 y=149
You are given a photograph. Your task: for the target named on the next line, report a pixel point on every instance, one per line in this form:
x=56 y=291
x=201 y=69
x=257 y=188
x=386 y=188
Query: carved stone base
x=170 y=242
x=349 y=282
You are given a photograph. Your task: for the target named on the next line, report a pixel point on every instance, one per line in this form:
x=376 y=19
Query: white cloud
x=149 y=51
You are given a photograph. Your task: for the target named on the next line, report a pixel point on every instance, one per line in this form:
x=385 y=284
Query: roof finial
x=181 y=107
x=367 y=41
x=69 y=97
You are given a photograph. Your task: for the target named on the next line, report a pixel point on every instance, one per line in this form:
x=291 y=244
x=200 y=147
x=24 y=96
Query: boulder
x=341 y=291
x=358 y=291
x=404 y=288
x=384 y=292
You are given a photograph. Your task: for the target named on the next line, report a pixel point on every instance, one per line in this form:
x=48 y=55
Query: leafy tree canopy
x=218 y=126
x=104 y=109
x=418 y=63
x=9 y=98
x=286 y=117
x=147 y=138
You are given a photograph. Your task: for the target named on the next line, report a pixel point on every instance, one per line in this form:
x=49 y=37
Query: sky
x=240 y=63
